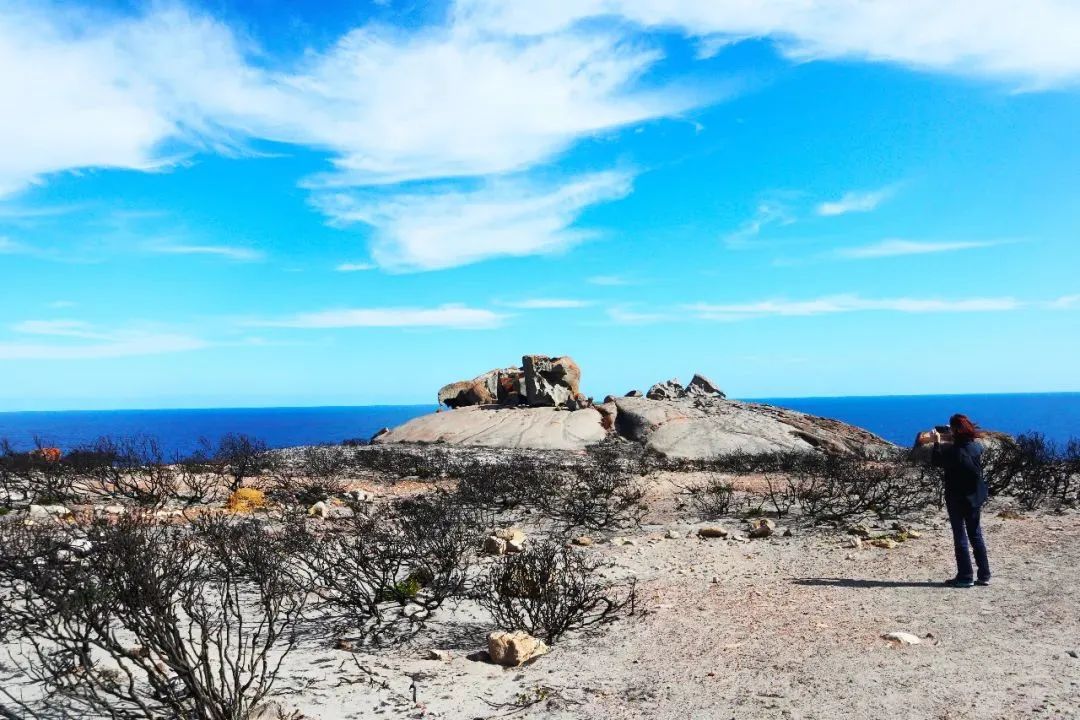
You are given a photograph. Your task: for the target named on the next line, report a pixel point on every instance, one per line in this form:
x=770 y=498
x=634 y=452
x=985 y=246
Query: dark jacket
x=963 y=471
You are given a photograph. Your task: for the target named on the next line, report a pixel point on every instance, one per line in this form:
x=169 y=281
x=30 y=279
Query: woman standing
x=965 y=493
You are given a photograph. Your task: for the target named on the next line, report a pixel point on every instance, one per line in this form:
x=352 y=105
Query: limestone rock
x=885 y=543
x=903 y=638
x=583 y=541
x=551 y=381
x=701 y=385
x=712 y=531
x=670 y=390
x=319 y=509
x=514 y=648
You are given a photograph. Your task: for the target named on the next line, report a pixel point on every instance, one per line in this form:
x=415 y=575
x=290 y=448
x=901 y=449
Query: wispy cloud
x=10 y=247
x=1065 y=302
x=834 y=304
x=767 y=214
x=895 y=248
x=444 y=316
x=62 y=304
x=354 y=267
x=430 y=231
x=982 y=39
x=59 y=328
x=238 y=254
x=77 y=340
x=608 y=280
x=627 y=315
x=856 y=201
x=548 y=304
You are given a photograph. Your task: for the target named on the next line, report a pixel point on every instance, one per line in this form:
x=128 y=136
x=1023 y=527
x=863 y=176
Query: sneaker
x=959 y=583
x=983 y=583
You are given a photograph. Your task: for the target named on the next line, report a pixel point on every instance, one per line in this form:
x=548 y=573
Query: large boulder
x=703 y=386
x=505 y=386
x=514 y=648
x=542 y=428
x=552 y=382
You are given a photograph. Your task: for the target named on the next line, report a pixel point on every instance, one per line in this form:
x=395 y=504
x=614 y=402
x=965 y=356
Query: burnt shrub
x=236 y=458
x=318 y=475
x=713 y=498
x=133 y=468
x=514 y=481
x=1033 y=470
x=413 y=552
x=550 y=590
x=602 y=492
x=135 y=619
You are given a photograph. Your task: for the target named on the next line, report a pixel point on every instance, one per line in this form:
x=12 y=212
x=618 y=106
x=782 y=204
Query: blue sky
x=236 y=203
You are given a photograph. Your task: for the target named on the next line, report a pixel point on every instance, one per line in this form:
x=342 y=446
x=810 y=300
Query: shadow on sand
x=864 y=584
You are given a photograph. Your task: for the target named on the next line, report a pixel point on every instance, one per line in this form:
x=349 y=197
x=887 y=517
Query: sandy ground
x=787 y=627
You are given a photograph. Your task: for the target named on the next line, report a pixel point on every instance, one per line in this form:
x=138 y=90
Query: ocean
x=896 y=418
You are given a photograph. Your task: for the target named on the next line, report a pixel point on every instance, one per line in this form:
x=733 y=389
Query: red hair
x=962 y=428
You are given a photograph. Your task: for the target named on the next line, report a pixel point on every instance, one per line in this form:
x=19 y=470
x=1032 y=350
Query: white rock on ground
x=514 y=648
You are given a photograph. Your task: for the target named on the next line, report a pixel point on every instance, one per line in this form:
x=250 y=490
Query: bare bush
x=140 y=620
x=236 y=458
x=133 y=468
x=713 y=499
x=1034 y=470
x=317 y=476
x=603 y=492
x=550 y=590
x=414 y=552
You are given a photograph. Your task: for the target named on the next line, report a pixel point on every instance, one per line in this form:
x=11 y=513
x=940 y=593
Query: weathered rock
x=608 y=412
x=514 y=648
x=860 y=530
x=903 y=638
x=41 y=512
x=273 y=710
x=885 y=543
x=633 y=393
x=443 y=655
x=465 y=393
x=551 y=381
x=319 y=509
x=534 y=428
x=670 y=390
x=515 y=545
x=853 y=542
x=707 y=428
x=494 y=545
x=761 y=528
x=583 y=541
x=701 y=385
x=712 y=531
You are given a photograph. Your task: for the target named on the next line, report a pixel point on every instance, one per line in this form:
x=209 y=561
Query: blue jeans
x=966 y=527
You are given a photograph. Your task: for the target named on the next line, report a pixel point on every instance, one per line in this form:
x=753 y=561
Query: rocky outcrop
x=535 y=428
x=669 y=390
x=702 y=386
x=553 y=382
x=702 y=428
x=505 y=386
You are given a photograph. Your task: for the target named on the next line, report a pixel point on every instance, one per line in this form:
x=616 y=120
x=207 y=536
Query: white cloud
x=1034 y=45
x=442 y=229
x=354 y=267
x=10 y=247
x=548 y=304
x=92 y=343
x=855 y=202
x=239 y=254
x=767 y=214
x=61 y=304
x=445 y=316
x=59 y=328
x=896 y=248
x=1065 y=302
x=835 y=304
x=625 y=315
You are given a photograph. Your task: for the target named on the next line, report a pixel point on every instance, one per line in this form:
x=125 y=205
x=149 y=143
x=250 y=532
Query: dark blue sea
x=896 y=418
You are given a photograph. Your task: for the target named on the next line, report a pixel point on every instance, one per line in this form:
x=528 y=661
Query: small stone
x=853 y=542
x=495 y=546
x=885 y=543
x=761 y=528
x=622 y=541
x=343 y=644
x=515 y=545
x=1073 y=653
x=513 y=649
x=442 y=655
x=787 y=532
x=913 y=534
x=583 y=541
x=673 y=535
x=319 y=509
x=114 y=510
x=860 y=530
x=510 y=535
x=40 y=512
x=904 y=638
x=712 y=531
